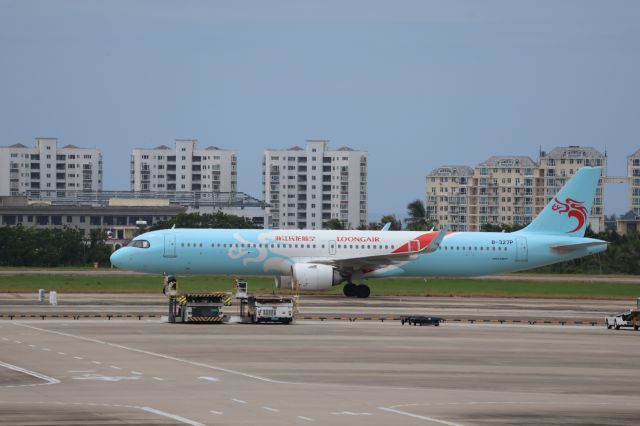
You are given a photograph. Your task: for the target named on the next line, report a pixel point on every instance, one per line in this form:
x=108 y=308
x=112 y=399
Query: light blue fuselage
x=273 y=252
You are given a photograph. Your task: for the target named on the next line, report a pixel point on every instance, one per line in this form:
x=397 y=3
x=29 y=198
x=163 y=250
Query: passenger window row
x=473 y=248
x=339 y=246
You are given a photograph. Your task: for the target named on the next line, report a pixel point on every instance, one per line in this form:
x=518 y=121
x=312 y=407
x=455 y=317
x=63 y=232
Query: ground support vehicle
x=624 y=319
x=268 y=309
x=421 y=320
x=200 y=308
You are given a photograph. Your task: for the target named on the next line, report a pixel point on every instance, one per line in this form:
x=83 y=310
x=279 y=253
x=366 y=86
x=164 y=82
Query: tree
x=417 y=220
x=334 y=224
x=396 y=225
x=500 y=227
x=206 y=220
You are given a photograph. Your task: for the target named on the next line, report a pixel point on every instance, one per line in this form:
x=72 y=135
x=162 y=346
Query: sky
x=417 y=83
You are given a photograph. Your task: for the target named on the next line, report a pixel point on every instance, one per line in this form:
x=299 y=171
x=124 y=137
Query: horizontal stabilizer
x=563 y=248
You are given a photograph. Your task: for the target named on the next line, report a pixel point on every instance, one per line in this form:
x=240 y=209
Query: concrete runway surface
x=361 y=373
x=328 y=305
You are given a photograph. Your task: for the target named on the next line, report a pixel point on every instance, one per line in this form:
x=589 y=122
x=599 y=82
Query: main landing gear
x=361 y=290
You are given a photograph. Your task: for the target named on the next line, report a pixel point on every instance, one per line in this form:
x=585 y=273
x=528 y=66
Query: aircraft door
x=522 y=251
x=332 y=247
x=170 y=245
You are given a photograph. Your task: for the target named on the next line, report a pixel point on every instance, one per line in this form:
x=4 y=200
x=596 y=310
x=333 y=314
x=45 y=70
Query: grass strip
x=382 y=287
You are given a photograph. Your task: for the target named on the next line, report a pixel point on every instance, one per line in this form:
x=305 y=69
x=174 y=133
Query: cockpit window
x=139 y=244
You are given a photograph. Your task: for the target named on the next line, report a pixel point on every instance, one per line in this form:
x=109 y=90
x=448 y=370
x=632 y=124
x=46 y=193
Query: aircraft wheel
x=349 y=289
x=363 y=291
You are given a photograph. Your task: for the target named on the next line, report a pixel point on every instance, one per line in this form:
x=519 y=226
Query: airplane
x=320 y=259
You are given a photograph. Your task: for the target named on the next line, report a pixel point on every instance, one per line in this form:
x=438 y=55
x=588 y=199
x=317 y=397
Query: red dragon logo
x=573 y=208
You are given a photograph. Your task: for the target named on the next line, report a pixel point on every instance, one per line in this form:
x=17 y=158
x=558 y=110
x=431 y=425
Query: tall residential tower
x=48 y=170
x=306 y=187
x=185 y=168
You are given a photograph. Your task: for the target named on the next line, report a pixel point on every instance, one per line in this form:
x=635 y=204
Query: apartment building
x=184 y=168
x=306 y=187
x=511 y=189
x=560 y=164
x=48 y=169
x=447 y=196
x=633 y=179
x=504 y=191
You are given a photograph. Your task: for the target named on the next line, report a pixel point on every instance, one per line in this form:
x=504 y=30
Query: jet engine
x=312 y=276
x=283 y=281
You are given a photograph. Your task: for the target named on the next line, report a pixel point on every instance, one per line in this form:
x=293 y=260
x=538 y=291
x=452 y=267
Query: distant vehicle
x=319 y=259
x=421 y=320
x=625 y=319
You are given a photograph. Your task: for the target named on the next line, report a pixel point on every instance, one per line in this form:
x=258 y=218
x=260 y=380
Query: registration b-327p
x=318 y=260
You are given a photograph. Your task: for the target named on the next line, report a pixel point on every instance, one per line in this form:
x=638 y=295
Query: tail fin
x=568 y=212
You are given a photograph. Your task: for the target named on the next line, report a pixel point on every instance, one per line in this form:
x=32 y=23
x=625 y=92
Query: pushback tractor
x=204 y=308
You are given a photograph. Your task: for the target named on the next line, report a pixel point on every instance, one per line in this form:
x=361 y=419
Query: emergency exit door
x=169 y=246
x=522 y=251
x=332 y=247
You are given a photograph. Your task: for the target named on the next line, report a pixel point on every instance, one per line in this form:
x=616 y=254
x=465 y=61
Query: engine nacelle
x=312 y=276
x=284 y=282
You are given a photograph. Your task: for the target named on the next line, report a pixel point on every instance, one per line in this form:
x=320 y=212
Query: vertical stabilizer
x=568 y=212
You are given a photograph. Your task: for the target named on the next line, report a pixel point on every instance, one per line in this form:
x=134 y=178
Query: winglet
x=435 y=243
x=386 y=226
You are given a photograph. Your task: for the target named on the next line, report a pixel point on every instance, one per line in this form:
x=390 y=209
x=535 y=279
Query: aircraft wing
x=369 y=263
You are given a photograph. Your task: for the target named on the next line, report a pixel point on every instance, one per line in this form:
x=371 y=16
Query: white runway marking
x=416 y=416
x=273 y=410
x=49 y=380
x=160 y=379
x=61 y=353
x=32 y=346
x=115 y=367
x=78 y=357
x=4 y=338
x=216 y=412
x=102 y=378
x=137 y=373
x=349 y=413
x=159 y=355
x=172 y=416
x=239 y=401
x=309 y=419
x=135 y=407
x=96 y=362
x=211 y=379
x=18 y=341
x=46 y=349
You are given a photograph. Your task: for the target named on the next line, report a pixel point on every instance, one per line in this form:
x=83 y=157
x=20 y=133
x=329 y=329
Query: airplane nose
x=117 y=258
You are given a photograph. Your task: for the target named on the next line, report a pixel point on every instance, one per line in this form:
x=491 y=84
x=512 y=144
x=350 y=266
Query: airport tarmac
x=334 y=305
x=351 y=373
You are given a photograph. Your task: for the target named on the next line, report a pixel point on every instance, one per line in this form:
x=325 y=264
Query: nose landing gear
x=361 y=291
